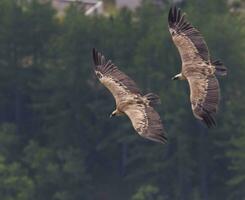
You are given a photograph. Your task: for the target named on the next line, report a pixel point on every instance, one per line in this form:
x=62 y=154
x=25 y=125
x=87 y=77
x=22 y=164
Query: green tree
x=15 y=182
x=61 y=143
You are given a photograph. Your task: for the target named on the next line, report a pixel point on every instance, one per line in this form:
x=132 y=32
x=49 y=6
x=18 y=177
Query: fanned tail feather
x=153 y=99
x=220 y=69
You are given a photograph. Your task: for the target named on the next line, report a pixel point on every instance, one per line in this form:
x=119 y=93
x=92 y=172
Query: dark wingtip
x=209 y=120
x=178 y=14
x=175 y=12
x=98 y=57
x=171 y=15
x=176 y=19
x=95 y=56
x=164 y=140
x=160 y=138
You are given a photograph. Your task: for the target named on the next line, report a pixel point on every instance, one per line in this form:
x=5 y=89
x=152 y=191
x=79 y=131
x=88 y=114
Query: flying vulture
x=197 y=67
x=129 y=100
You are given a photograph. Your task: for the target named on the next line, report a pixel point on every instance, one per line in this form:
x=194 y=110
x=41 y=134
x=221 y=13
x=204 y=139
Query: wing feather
x=205 y=95
x=146 y=121
x=115 y=80
x=188 y=39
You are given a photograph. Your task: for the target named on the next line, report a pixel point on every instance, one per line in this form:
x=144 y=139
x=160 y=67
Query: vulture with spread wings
x=129 y=100
x=197 y=67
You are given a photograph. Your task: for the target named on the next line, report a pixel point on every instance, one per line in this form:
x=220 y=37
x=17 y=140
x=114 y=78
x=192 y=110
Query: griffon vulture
x=197 y=67
x=129 y=100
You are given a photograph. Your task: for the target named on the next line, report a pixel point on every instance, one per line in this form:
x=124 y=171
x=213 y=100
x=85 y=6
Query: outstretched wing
x=188 y=40
x=119 y=84
x=205 y=95
x=146 y=121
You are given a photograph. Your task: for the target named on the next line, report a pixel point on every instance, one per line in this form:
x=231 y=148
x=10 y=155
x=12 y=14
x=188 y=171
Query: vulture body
x=129 y=100
x=197 y=67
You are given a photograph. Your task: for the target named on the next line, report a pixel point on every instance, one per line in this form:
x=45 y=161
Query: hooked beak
x=113 y=113
x=174 y=78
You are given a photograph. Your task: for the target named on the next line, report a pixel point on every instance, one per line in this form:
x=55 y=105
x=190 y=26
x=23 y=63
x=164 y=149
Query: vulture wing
x=188 y=40
x=119 y=84
x=205 y=95
x=146 y=121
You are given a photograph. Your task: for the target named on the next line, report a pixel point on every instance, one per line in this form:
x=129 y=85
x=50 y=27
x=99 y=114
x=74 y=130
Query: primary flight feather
x=129 y=100
x=197 y=67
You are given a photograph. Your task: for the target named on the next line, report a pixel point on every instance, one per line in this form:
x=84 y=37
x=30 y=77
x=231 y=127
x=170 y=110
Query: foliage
x=147 y=192
x=57 y=141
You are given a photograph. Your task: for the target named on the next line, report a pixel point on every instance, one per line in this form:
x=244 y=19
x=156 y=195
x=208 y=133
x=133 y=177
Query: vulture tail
x=153 y=99
x=220 y=69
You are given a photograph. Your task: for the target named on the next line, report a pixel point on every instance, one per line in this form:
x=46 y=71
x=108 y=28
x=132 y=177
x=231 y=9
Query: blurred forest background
x=57 y=141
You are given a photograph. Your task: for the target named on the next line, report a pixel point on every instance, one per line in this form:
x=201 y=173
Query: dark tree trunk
x=203 y=162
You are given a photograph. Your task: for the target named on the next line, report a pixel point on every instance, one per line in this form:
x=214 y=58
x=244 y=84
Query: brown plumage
x=129 y=100
x=197 y=67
